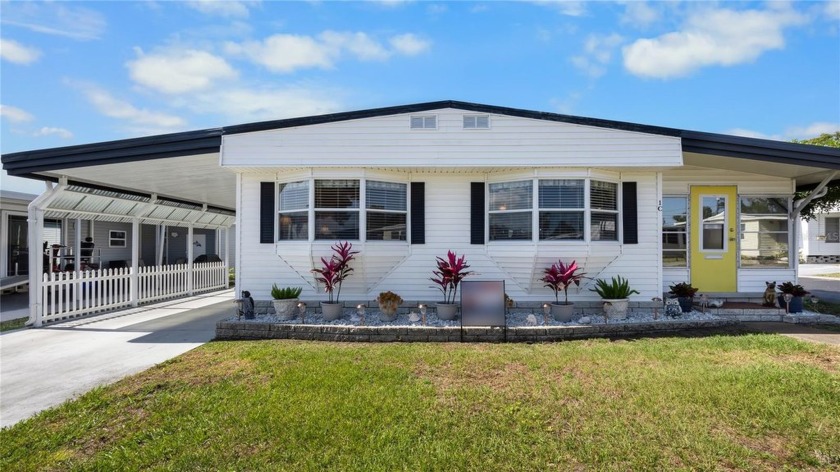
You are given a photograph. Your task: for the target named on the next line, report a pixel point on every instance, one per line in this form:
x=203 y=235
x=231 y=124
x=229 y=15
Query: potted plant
x=389 y=302
x=449 y=274
x=559 y=277
x=685 y=295
x=615 y=294
x=332 y=274
x=793 y=302
x=285 y=301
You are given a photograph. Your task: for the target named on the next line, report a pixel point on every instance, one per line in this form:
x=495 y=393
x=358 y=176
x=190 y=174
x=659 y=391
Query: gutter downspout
x=35 y=229
x=798 y=206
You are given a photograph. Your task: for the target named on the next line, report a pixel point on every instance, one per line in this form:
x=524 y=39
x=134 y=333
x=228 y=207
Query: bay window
x=511 y=206
x=332 y=209
x=562 y=210
x=386 y=204
x=294 y=211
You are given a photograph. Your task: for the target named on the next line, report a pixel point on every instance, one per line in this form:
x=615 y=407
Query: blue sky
x=81 y=72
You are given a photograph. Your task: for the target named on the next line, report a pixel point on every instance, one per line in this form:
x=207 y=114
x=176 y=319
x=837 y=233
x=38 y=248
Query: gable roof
x=45 y=163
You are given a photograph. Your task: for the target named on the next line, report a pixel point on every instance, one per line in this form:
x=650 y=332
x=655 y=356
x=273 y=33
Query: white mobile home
x=821 y=238
x=513 y=190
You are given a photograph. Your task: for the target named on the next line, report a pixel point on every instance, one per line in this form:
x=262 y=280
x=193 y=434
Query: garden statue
x=245 y=306
x=672 y=307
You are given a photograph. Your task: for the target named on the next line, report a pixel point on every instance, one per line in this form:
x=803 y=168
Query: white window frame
x=586 y=211
x=727 y=208
x=362 y=209
x=425 y=119
x=686 y=231
x=742 y=232
x=475 y=119
x=112 y=238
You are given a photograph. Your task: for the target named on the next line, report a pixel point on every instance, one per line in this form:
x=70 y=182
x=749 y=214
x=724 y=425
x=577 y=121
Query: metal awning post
x=134 y=277
x=35 y=228
x=190 y=259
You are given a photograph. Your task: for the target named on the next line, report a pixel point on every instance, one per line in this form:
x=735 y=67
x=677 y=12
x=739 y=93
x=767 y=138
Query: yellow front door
x=714 y=239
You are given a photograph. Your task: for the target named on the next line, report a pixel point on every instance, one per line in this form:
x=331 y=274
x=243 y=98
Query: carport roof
x=186 y=165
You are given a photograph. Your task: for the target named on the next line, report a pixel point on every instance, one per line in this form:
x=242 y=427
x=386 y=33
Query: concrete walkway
x=41 y=368
x=798 y=331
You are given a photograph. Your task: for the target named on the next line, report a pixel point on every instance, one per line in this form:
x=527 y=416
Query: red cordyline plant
x=560 y=277
x=333 y=272
x=450 y=272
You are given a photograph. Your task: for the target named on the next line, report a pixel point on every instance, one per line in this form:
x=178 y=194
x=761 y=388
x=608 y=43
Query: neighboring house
x=820 y=238
x=513 y=190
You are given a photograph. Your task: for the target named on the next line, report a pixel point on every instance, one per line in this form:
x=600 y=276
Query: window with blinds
x=603 y=201
x=511 y=208
x=387 y=210
x=336 y=213
x=562 y=208
x=293 y=218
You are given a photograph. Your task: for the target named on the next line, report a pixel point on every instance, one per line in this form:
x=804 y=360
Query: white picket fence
x=67 y=295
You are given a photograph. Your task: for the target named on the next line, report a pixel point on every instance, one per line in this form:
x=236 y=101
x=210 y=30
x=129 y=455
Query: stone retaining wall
x=230 y=330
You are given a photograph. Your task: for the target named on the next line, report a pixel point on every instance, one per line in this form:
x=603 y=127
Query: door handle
x=732 y=239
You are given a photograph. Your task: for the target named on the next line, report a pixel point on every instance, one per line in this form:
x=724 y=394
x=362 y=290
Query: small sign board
x=483 y=303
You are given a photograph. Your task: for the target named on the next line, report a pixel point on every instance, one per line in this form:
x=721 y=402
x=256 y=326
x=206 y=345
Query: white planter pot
x=332 y=311
x=388 y=311
x=447 y=311
x=616 y=309
x=563 y=312
x=286 y=309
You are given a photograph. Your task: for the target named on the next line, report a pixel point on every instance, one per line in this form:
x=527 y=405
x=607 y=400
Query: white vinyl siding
x=388 y=142
x=406 y=269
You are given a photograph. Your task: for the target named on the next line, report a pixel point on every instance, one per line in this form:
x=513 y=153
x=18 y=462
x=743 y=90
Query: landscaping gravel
x=351 y=318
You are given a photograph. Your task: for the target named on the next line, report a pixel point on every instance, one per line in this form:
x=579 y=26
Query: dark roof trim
x=114 y=152
x=209 y=140
x=428 y=106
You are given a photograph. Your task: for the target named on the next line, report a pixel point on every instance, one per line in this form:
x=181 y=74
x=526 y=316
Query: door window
x=713 y=223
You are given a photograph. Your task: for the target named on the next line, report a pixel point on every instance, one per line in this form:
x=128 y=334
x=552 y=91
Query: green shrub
x=616 y=289
x=285 y=293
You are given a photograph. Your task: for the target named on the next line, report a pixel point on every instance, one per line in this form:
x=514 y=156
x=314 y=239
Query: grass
x=16 y=323
x=743 y=402
x=833 y=275
x=824 y=307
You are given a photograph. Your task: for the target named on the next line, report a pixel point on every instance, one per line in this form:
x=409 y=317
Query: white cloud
x=409 y=44
x=56 y=18
x=178 y=70
x=49 y=131
x=358 y=44
x=640 y=14
x=794 y=132
x=710 y=37
x=832 y=10
x=286 y=53
x=564 y=7
x=14 y=114
x=113 y=107
x=13 y=51
x=243 y=105
x=598 y=51
x=226 y=8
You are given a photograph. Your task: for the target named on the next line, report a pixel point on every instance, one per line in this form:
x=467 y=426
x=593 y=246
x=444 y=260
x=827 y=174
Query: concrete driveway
x=41 y=368
x=824 y=288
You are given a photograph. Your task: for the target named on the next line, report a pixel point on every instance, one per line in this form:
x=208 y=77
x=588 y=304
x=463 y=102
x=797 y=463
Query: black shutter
x=477 y=213
x=418 y=213
x=630 y=213
x=267 y=212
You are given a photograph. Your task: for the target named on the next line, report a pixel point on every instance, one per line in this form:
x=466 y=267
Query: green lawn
x=9 y=325
x=726 y=402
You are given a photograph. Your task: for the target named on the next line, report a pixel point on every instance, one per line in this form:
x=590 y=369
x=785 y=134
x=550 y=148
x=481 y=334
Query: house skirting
x=832 y=259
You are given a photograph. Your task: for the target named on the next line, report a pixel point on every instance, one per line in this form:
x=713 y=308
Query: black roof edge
x=81 y=155
x=428 y=106
x=213 y=208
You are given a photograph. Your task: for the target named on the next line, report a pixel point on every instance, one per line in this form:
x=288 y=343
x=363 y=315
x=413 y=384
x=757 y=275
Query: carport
x=165 y=181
